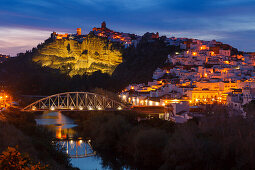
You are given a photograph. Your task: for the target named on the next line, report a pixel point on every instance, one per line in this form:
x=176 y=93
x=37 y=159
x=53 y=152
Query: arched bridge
x=75 y=101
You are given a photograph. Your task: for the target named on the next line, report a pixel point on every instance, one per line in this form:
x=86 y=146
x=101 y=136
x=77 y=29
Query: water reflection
x=79 y=149
x=76 y=148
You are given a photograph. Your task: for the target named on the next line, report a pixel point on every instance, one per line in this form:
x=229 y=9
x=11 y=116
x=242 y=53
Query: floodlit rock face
x=75 y=58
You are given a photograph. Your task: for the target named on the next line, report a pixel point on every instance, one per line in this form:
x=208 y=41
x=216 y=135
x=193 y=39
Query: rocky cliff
x=78 y=58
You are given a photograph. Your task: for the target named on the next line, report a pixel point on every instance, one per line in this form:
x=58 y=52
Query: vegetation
x=140 y=62
x=249 y=109
x=20 y=130
x=216 y=141
x=13 y=160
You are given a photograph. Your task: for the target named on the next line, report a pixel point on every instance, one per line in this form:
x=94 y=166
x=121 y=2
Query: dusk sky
x=25 y=23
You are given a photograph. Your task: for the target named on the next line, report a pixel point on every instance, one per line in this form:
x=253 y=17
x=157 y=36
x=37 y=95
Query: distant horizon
x=40 y=35
x=24 y=24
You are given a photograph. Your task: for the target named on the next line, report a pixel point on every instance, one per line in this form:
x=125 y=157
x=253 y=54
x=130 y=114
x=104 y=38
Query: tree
x=12 y=159
x=250 y=108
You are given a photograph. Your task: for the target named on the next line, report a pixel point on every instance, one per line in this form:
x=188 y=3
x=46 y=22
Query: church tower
x=78 y=31
x=103 y=25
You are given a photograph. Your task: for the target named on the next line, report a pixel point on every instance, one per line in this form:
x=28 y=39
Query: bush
x=216 y=141
x=12 y=159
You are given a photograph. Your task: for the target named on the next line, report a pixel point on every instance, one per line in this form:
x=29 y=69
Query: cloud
x=123 y=4
x=214 y=19
x=243 y=40
x=16 y=40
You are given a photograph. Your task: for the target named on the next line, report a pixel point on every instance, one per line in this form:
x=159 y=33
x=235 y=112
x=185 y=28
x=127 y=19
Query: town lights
x=194 y=53
x=124 y=97
x=80 y=141
x=142 y=102
x=119 y=108
x=176 y=101
x=80 y=108
x=33 y=108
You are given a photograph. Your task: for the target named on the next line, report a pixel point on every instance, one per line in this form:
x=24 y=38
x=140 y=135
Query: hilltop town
x=103 y=31
x=125 y=39
x=205 y=72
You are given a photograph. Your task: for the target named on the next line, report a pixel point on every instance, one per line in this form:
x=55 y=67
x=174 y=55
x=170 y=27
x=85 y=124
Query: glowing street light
x=33 y=108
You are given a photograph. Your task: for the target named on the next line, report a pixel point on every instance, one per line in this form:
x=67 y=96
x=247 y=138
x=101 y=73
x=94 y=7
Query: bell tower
x=103 y=25
x=78 y=31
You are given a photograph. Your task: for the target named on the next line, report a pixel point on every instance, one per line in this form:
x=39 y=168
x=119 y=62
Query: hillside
x=74 y=58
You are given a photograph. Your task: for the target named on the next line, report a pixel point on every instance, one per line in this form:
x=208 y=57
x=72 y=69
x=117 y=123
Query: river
x=78 y=148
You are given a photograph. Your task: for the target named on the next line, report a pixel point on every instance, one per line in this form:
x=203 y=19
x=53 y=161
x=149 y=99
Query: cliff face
x=74 y=58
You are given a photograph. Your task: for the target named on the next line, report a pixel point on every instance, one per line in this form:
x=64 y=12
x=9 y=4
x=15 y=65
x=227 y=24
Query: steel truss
x=75 y=101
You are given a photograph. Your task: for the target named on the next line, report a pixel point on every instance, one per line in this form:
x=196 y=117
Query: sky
x=25 y=23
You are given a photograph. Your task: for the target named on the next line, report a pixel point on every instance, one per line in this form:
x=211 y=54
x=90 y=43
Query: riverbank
x=19 y=130
x=213 y=142
x=121 y=141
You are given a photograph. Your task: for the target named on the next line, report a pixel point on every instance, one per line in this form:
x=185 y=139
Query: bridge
x=75 y=101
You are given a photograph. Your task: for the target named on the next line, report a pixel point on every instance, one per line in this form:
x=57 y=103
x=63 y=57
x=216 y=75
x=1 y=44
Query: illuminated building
x=194 y=53
x=207 y=97
x=5 y=100
x=78 y=31
x=204 y=47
